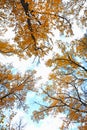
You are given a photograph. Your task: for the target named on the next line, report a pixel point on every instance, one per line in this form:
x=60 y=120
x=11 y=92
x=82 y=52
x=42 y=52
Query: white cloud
x=42 y=71
x=49 y=123
x=78 y=32
x=20 y=65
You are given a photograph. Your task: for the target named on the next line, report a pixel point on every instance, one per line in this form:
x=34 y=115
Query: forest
x=34 y=24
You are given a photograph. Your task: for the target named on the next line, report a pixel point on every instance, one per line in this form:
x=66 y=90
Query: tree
x=32 y=22
x=68 y=92
x=14 y=87
x=31 y=27
x=13 y=90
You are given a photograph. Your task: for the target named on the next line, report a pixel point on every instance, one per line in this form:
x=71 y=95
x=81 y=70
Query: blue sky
x=22 y=65
x=50 y=122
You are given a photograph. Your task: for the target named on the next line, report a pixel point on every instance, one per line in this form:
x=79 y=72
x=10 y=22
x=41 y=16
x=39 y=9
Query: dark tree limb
x=25 y=6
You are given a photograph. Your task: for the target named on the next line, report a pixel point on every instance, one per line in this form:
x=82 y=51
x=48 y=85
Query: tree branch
x=53 y=14
x=76 y=63
x=25 y=6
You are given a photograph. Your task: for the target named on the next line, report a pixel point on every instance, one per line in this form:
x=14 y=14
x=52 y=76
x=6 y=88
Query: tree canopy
x=32 y=22
x=13 y=91
x=68 y=91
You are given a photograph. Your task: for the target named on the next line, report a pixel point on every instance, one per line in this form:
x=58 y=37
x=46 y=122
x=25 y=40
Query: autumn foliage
x=33 y=22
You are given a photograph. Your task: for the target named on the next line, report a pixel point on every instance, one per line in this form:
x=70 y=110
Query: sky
x=47 y=124
x=21 y=65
